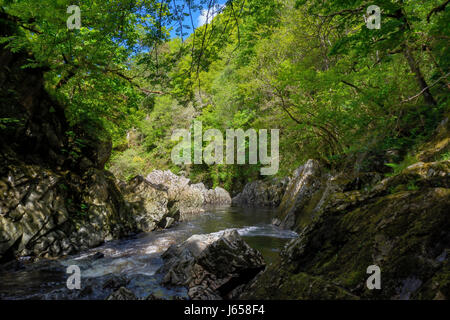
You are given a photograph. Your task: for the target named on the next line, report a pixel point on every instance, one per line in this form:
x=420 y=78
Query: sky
x=199 y=18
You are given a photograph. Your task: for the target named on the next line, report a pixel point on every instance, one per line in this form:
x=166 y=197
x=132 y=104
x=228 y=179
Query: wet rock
x=122 y=294
x=217 y=196
x=115 y=282
x=262 y=193
x=97 y=256
x=47 y=213
x=211 y=266
x=149 y=202
x=403 y=230
x=163 y=198
x=304 y=189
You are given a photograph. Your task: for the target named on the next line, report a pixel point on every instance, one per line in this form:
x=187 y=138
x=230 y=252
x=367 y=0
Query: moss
x=402 y=233
x=353 y=278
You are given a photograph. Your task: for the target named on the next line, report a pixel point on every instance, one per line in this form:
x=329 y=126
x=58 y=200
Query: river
x=133 y=262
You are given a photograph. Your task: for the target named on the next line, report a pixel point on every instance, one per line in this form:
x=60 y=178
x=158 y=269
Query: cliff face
x=50 y=203
x=348 y=222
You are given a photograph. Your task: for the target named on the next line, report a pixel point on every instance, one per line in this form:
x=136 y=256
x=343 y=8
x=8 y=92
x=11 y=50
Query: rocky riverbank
x=350 y=220
x=47 y=213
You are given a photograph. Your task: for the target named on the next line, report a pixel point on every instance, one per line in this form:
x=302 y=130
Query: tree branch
x=437 y=9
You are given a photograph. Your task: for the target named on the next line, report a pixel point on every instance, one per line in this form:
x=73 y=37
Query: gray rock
x=41 y=217
x=211 y=266
x=262 y=193
x=122 y=294
x=305 y=184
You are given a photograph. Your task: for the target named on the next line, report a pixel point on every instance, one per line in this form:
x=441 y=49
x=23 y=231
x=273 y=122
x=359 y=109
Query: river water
x=133 y=262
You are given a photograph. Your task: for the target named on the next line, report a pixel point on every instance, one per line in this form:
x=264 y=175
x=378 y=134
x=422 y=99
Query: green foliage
x=333 y=87
x=397 y=168
x=7 y=122
x=310 y=68
x=445 y=156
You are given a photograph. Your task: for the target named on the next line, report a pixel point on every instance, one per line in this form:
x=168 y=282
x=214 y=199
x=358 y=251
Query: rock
x=151 y=296
x=305 y=188
x=55 y=196
x=217 y=196
x=211 y=266
x=150 y=204
x=48 y=213
x=309 y=190
x=262 y=193
x=122 y=294
x=115 y=283
x=191 y=196
x=403 y=230
x=97 y=256
x=439 y=144
x=163 y=198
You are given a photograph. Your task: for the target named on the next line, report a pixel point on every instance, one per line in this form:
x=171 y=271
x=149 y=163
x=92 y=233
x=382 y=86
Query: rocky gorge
x=57 y=200
x=350 y=220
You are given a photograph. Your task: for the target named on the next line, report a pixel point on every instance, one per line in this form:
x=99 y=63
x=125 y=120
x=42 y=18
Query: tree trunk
x=420 y=79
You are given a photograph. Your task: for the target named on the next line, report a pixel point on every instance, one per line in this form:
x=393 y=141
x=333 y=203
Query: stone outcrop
x=262 y=193
x=439 y=144
x=187 y=197
x=400 y=224
x=211 y=266
x=47 y=213
x=309 y=189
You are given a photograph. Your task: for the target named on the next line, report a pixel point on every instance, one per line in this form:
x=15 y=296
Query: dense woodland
x=138 y=69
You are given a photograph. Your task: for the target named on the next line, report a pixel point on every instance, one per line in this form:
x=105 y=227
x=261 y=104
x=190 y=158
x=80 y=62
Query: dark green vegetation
x=311 y=68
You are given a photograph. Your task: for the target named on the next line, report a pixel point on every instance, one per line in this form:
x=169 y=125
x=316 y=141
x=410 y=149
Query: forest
x=309 y=68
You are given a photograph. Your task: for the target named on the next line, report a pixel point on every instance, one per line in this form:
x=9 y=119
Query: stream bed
x=133 y=262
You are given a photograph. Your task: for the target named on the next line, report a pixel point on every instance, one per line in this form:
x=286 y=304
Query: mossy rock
x=406 y=234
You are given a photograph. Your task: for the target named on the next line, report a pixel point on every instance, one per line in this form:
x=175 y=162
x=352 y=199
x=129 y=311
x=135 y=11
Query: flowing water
x=133 y=262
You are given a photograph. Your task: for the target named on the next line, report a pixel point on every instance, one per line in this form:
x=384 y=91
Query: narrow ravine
x=133 y=262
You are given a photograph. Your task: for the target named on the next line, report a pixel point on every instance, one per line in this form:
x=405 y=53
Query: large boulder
x=261 y=193
x=48 y=213
x=309 y=190
x=211 y=266
x=304 y=189
x=150 y=204
x=187 y=197
x=439 y=144
x=400 y=224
